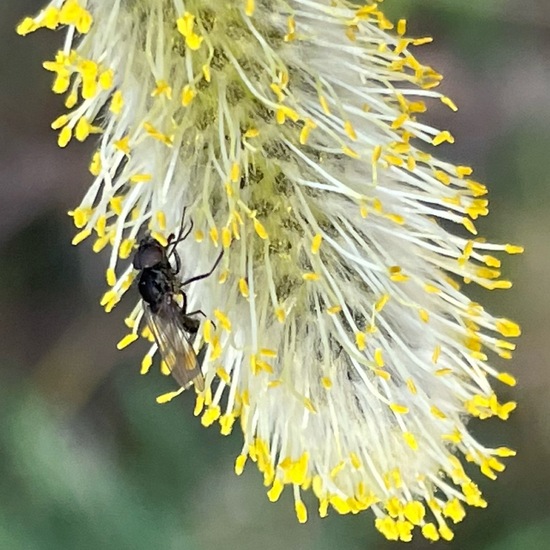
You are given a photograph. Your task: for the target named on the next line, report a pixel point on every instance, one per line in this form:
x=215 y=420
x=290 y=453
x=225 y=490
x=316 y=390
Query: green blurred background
x=89 y=460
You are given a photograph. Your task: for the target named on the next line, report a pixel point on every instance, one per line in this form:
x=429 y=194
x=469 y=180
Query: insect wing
x=178 y=354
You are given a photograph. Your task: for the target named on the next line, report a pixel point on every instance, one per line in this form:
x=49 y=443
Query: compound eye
x=148 y=255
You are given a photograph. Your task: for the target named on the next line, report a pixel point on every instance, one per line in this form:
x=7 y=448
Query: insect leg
x=184 y=303
x=204 y=275
x=177 y=259
x=196 y=312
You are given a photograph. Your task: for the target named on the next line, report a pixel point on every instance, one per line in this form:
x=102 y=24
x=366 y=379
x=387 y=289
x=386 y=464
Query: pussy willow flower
x=336 y=328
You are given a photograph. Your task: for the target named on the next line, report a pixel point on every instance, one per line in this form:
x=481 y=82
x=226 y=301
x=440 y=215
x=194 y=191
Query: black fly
x=169 y=322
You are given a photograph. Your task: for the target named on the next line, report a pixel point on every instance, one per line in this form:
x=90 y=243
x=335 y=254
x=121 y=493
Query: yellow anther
x=397 y=275
x=410 y=440
x=446 y=533
x=164 y=369
x=64 y=136
x=257 y=366
x=162 y=88
x=214 y=235
x=424 y=315
x=130 y=321
x=142 y=178
x=81 y=236
x=340 y=505
x=280 y=313
x=449 y=103
x=506 y=378
x=275 y=492
x=158 y=135
x=243 y=287
x=291 y=26
x=355 y=460
x=235 y=172
x=110 y=276
x=350 y=130
x=381 y=303
x=469 y=225
x=414 y=512
x=399 y=121
x=324 y=105
x=394 y=160
x=226 y=423
x=316 y=243
x=288 y=112
x=438 y=413
x=187 y=95
x=401 y=27
x=310 y=276
x=59 y=122
x=251 y=133
x=117 y=102
x=349 y=152
x=80 y=216
x=301 y=511
x=27 y=26
x=436 y=354
x=382 y=374
x=443 y=372
x=73 y=14
x=123 y=145
x=429 y=531
x=513 y=249
x=394 y=507
x=95 y=164
x=210 y=416
x=223 y=319
x=127 y=340
x=89 y=70
x=333 y=310
x=444 y=136
x=146 y=363
x=216 y=349
x=399 y=409
x=505 y=452
x=443 y=177
x=239 y=464
x=463 y=171
x=260 y=230
x=126 y=248
x=411 y=386
x=223 y=375
x=185 y=27
x=361 y=340
x=378 y=358
x=454 y=510
x=508 y=328
x=109 y=298
x=100 y=243
x=106 y=79
x=166 y=397
x=505 y=409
